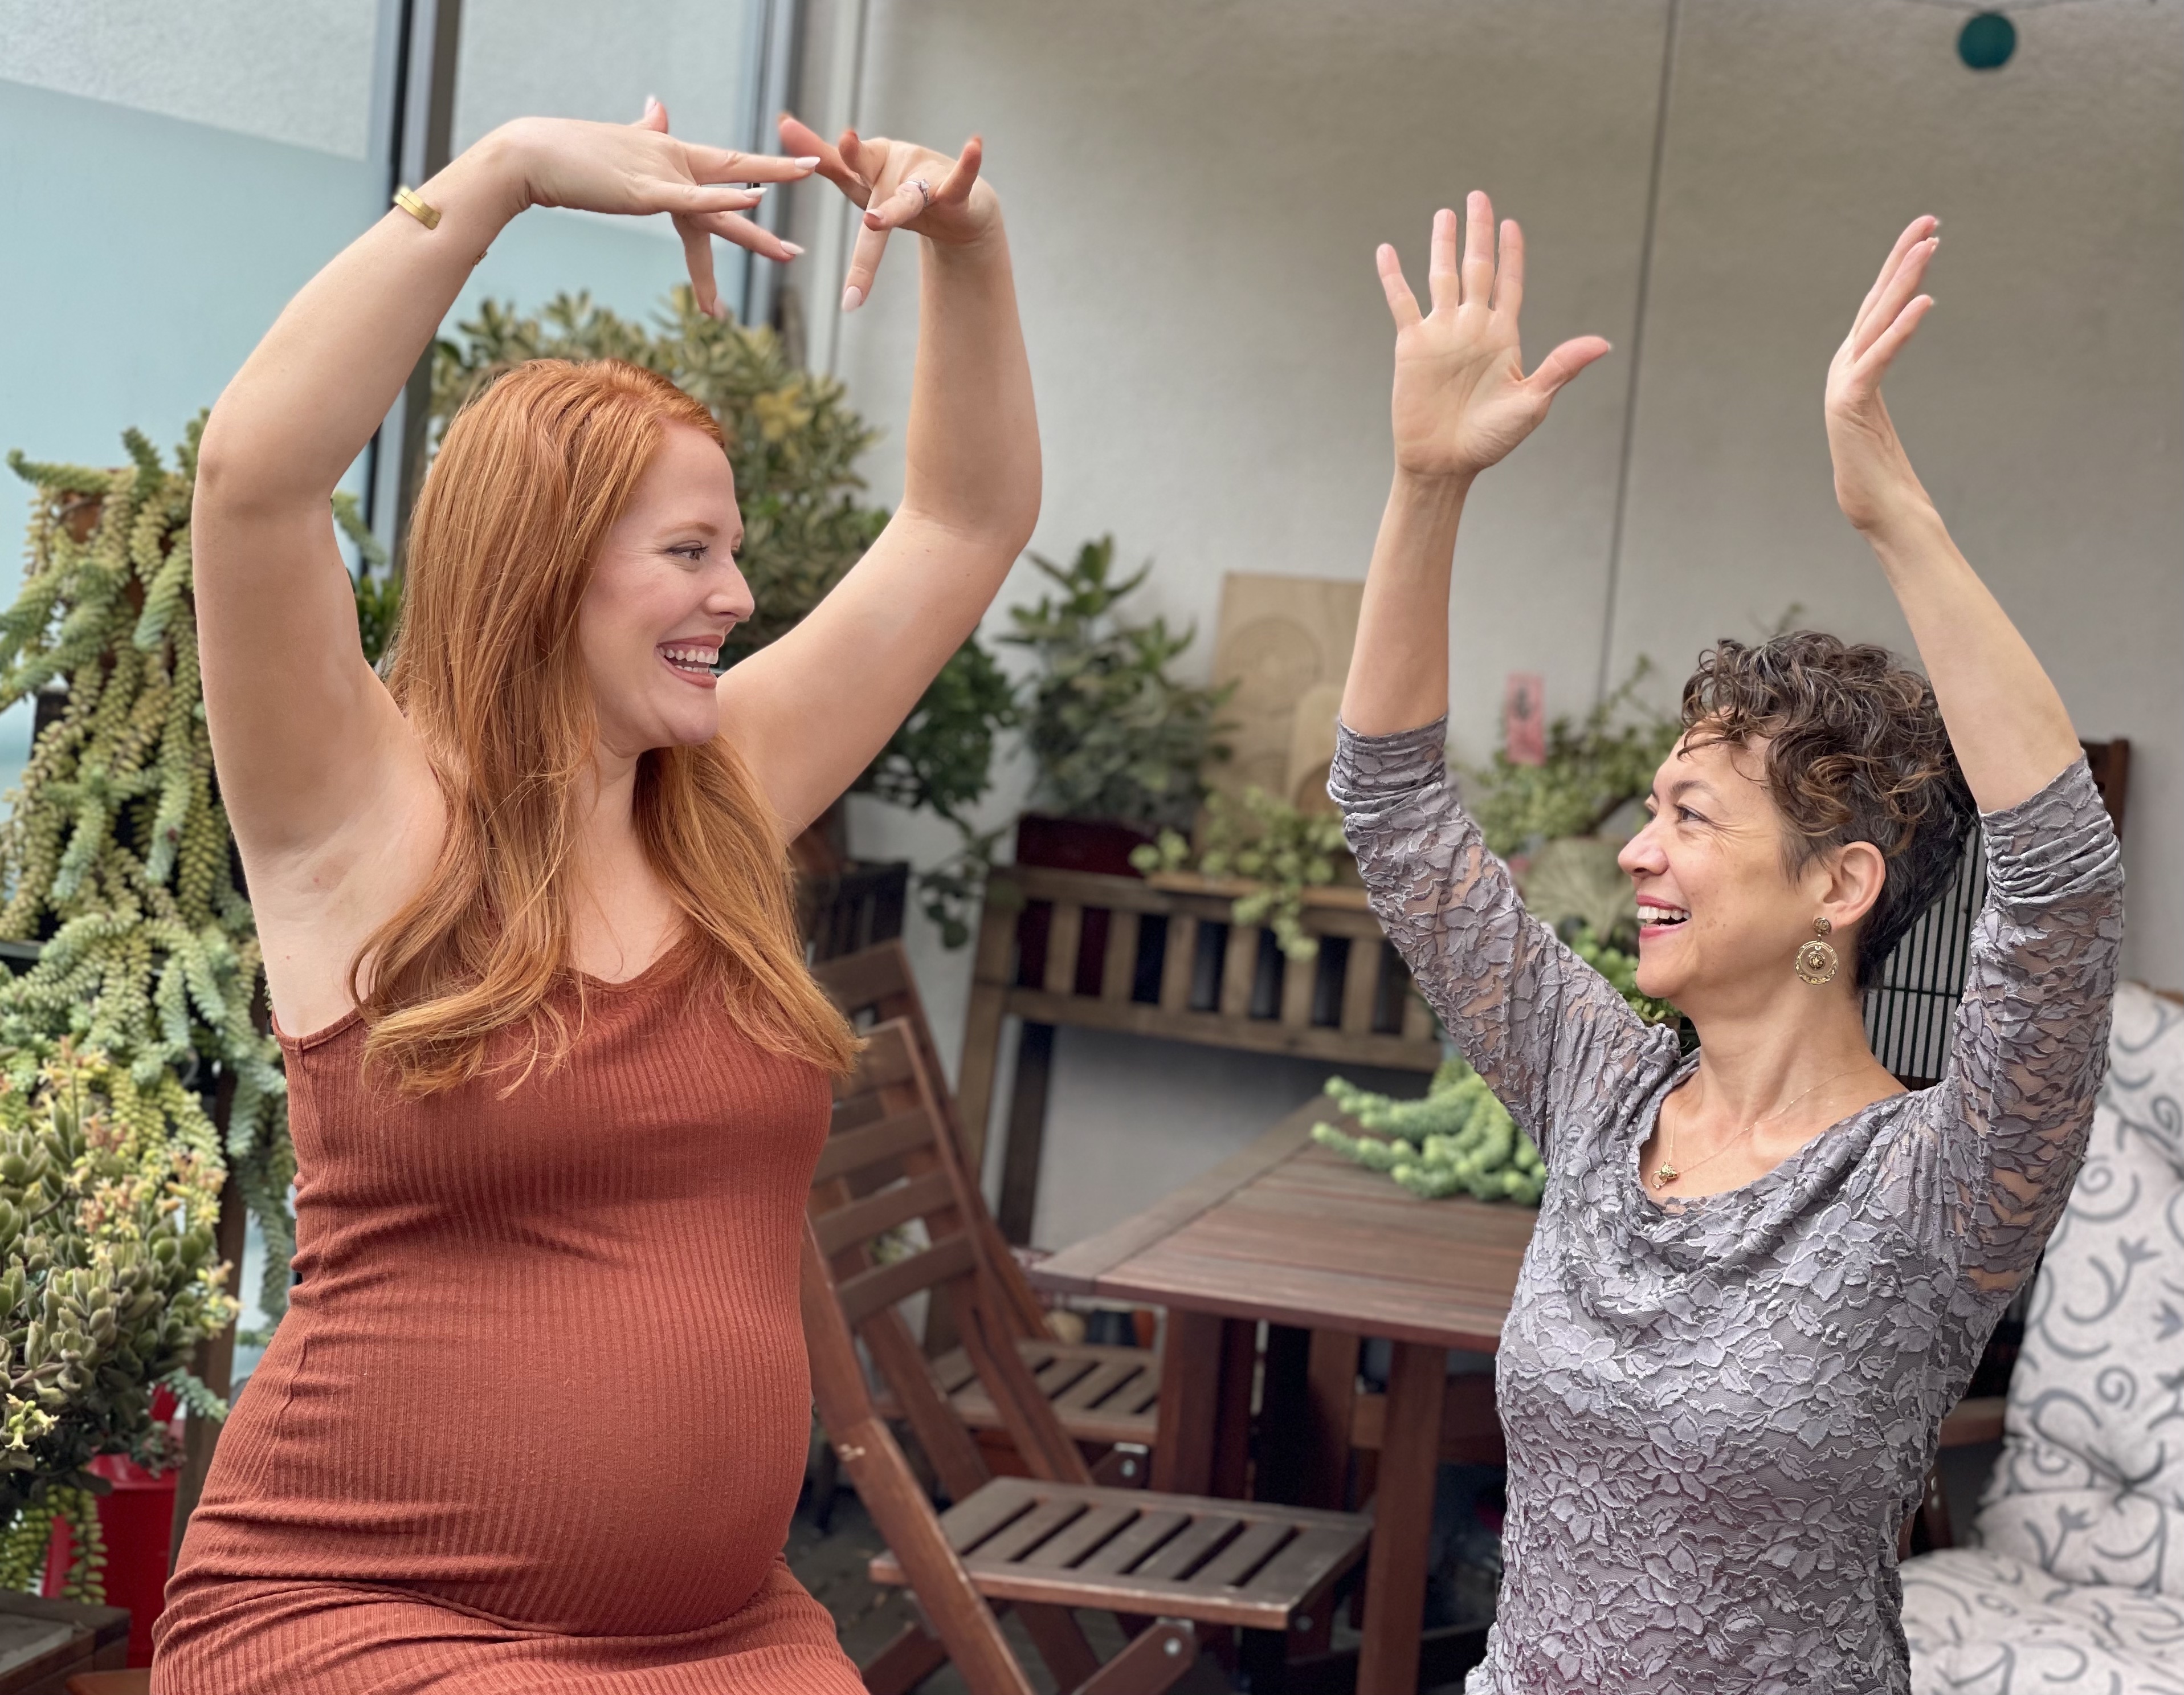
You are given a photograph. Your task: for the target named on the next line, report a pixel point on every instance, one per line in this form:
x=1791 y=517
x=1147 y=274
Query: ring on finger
x=924 y=188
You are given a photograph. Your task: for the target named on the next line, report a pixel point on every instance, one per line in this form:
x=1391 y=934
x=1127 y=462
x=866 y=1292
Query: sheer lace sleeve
x=2030 y=1045
x=1539 y=1023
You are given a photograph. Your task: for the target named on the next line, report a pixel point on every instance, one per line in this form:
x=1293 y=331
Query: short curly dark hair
x=1855 y=752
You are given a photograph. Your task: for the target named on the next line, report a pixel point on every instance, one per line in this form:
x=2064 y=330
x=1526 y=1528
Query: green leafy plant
x=116 y=856
x=1594 y=767
x=1265 y=840
x=1620 y=969
x=1112 y=735
x=1459 y=1140
x=109 y=1281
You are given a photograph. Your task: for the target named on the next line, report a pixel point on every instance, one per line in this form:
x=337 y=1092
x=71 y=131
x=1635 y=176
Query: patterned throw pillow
x=2078 y=1582
x=2090 y=1488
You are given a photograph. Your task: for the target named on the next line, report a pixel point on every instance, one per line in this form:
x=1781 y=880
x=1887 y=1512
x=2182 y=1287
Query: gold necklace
x=1666 y=1172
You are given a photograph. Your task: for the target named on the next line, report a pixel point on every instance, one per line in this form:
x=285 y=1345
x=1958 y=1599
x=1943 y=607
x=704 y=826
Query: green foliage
x=1592 y=769
x=1621 y=970
x=942 y=758
x=22 y=1545
x=1113 y=736
x=1459 y=1138
x=107 y=1197
x=116 y=856
x=792 y=436
x=1265 y=840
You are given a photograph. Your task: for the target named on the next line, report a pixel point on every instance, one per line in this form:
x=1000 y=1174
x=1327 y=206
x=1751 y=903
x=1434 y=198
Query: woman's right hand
x=1462 y=398
x=639 y=169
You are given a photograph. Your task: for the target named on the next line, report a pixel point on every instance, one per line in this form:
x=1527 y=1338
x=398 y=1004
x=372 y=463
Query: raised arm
x=1526 y=1011
x=307 y=741
x=2008 y=725
x=2030 y=1045
x=809 y=711
x=1462 y=403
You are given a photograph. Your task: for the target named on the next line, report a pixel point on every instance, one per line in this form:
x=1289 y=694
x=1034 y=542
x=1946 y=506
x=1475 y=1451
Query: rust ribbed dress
x=537 y=1417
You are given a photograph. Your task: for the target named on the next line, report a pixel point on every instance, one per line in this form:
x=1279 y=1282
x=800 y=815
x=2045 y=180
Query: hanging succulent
x=116 y=856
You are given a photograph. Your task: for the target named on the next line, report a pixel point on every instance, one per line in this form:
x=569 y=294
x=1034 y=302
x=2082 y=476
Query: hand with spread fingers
x=1874 y=478
x=901 y=186
x=1461 y=399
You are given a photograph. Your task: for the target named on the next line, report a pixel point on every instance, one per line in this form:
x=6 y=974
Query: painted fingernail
x=792 y=250
x=852 y=298
x=809 y=161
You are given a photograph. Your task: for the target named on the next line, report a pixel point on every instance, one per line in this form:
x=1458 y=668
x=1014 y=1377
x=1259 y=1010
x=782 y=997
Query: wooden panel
x=1237 y=969
x=1361 y=985
x=1081 y=1538
x=1149 y=1532
x=1076 y=1269
x=869 y=1291
x=1240 y=1561
x=1064 y=931
x=855 y=1149
x=1096 y=1384
x=1022 y=1536
x=1176 y=969
x=1118 y=975
x=1402 y=1519
x=1000 y=1504
x=1975 y=1420
x=1470 y=1423
x=863 y=1220
x=1297 y=980
x=1207 y=1533
x=1177 y=1023
x=882 y=1064
x=1312 y=1560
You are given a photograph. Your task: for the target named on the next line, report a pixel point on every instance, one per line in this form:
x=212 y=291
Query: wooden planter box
x=1161 y=956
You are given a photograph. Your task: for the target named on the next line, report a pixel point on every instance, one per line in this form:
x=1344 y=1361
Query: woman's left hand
x=1874 y=478
x=901 y=186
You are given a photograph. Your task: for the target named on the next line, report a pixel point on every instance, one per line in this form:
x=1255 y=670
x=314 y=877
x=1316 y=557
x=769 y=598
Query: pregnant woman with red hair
x=536 y=1419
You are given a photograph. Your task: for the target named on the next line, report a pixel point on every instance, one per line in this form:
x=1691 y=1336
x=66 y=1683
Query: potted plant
x=1119 y=745
x=140 y=1103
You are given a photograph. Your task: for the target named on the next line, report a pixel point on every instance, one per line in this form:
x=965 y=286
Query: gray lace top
x=1718 y=1412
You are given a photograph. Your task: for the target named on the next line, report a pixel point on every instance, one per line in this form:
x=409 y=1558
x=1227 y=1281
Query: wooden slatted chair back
x=875 y=985
x=890 y=1173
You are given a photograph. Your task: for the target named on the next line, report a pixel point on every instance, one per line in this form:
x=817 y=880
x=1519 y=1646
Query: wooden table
x=1290 y=1234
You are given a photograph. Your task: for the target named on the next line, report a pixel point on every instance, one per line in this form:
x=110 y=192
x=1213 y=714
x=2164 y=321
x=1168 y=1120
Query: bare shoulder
x=317 y=905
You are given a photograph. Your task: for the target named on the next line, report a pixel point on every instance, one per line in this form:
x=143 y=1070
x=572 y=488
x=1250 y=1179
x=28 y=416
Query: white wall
x=1194 y=193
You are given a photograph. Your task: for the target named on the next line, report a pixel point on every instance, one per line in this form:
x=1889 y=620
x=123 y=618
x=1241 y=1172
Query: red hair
x=530 y=477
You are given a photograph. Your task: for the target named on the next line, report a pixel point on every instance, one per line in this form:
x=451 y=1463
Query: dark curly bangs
x=1855 y=752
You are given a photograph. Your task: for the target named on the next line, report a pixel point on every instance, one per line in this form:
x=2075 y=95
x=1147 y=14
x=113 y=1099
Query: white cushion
x=2077 y=1580
x=2090 y=1484
x=1982 y=1624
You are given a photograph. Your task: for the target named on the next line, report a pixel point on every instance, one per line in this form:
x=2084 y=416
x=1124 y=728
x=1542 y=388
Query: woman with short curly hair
x=1764 y=1271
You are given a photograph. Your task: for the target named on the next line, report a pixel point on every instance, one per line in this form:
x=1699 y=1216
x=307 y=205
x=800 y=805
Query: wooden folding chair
x=1108 y=1398
x=1045 y=1544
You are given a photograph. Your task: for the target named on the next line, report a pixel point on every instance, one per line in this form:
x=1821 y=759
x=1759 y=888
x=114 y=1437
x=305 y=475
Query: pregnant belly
x=592 y=1458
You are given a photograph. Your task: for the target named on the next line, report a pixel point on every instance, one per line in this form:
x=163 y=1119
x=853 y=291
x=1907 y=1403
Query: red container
x=138 y=1522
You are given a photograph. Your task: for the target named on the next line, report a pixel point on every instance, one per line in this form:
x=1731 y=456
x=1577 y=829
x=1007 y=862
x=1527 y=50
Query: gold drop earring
x=1817 y=961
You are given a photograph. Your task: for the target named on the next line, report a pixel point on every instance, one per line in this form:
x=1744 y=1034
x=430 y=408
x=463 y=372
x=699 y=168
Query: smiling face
x=663 y=595
x=1720 y=916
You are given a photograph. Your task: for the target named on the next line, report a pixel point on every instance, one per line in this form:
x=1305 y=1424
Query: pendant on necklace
x=1664 y=1174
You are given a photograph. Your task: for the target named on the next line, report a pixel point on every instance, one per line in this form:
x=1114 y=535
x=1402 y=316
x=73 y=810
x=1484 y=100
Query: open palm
x=1462 y=398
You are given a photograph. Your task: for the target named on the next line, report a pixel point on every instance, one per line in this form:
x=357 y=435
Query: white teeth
x=694 y=658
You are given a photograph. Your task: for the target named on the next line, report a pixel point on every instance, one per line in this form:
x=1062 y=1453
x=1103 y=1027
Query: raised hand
x=1874 y=478
x=699 y=224
x=901 y=186
x=1462 y=398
